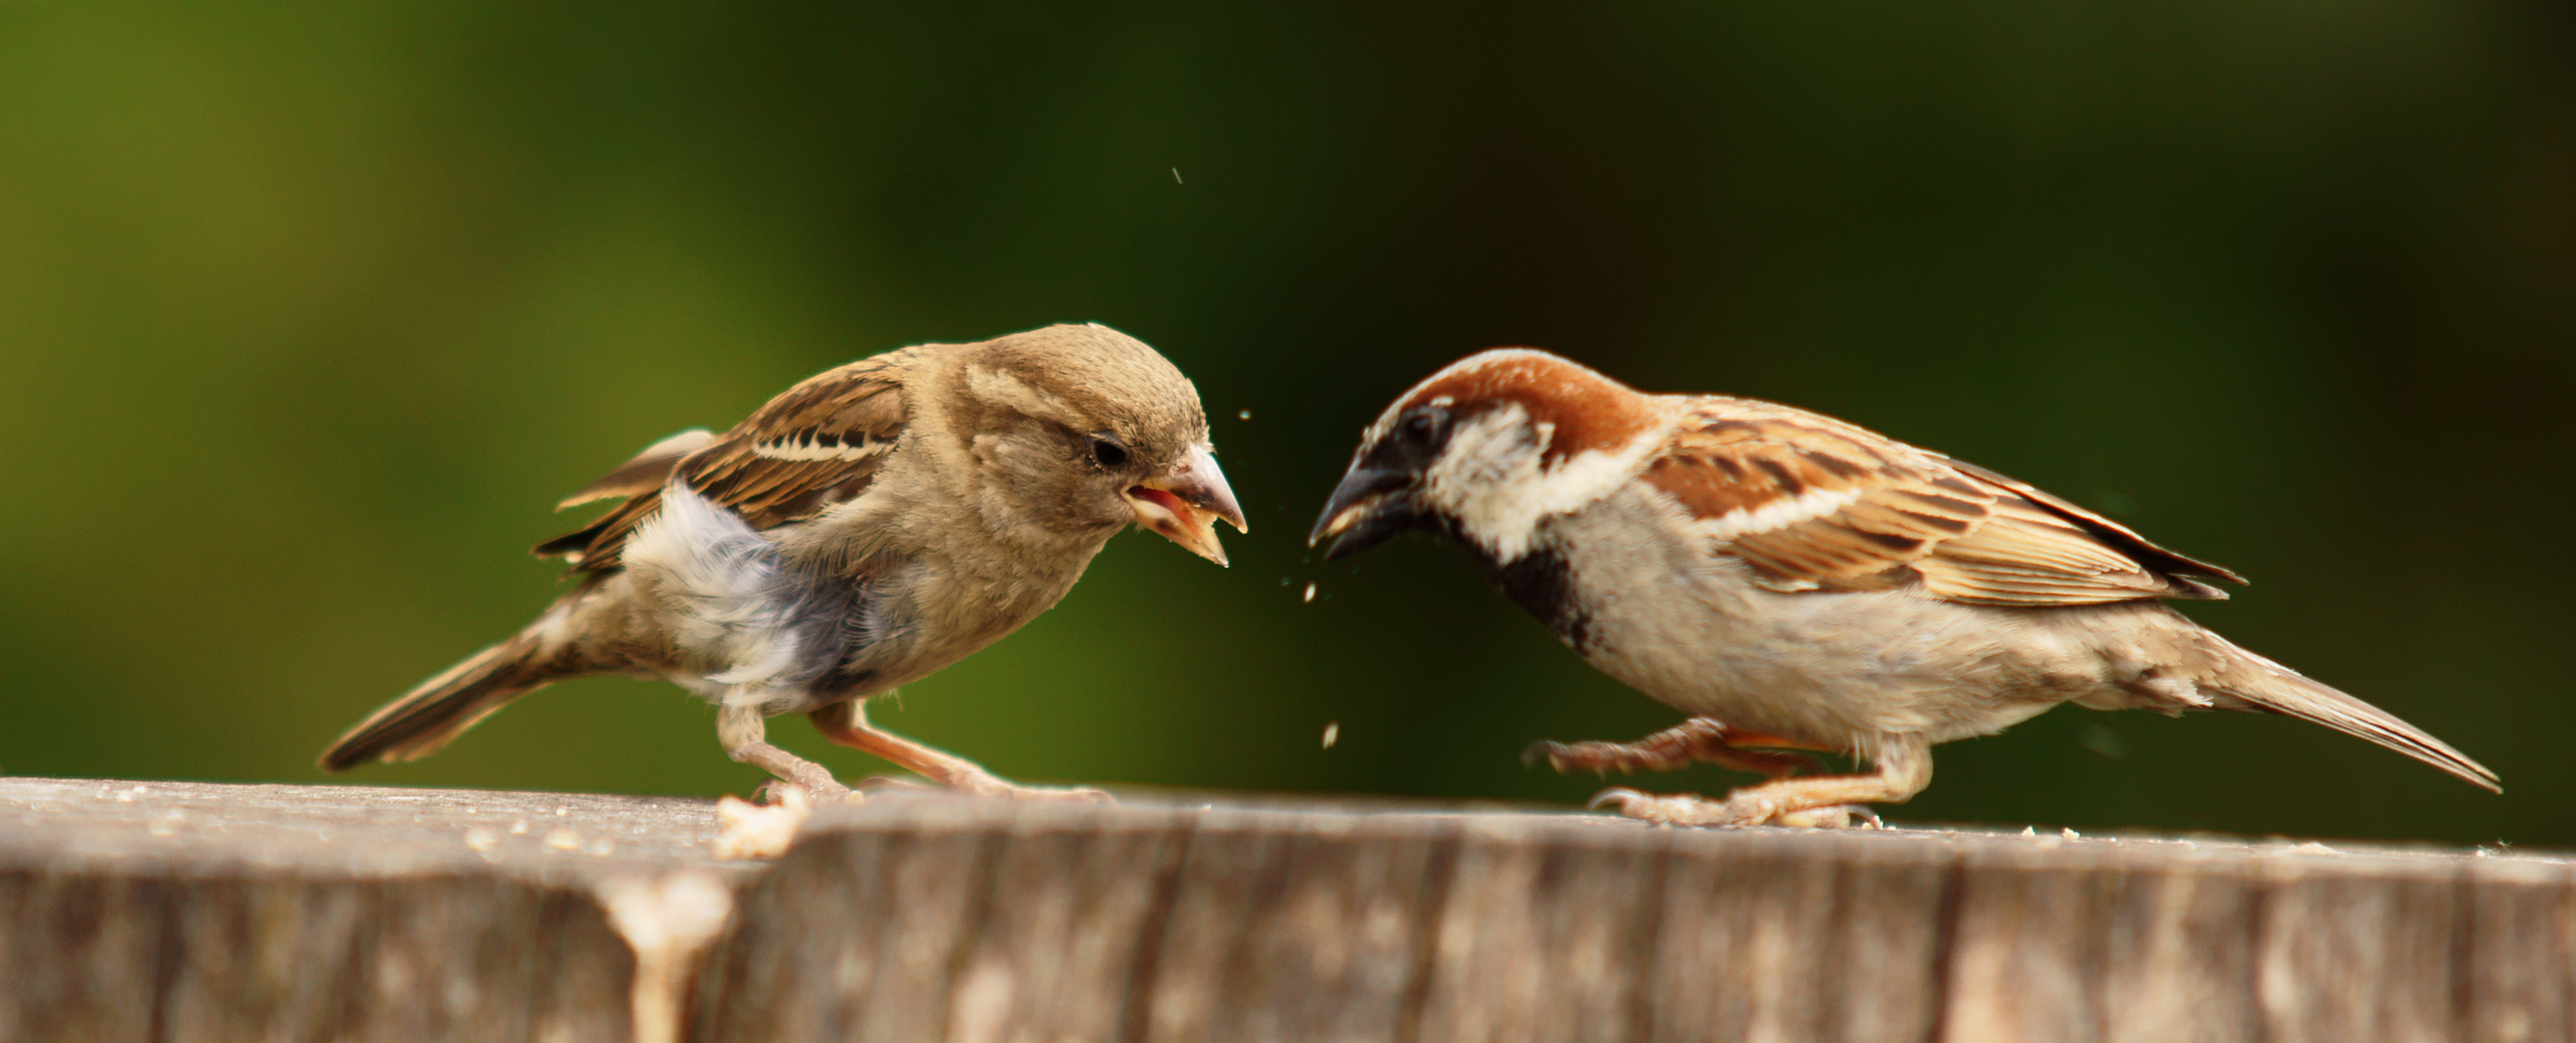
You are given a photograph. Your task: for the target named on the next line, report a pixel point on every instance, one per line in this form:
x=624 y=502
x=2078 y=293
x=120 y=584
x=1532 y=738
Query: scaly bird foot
x=775 y=792
x=1744 y=807
x=1700 y=739
x=1083 y=794
x=981 y=784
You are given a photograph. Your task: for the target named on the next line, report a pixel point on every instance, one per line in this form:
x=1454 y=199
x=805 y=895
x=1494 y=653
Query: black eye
x=1107 y=451
x=1420 y=427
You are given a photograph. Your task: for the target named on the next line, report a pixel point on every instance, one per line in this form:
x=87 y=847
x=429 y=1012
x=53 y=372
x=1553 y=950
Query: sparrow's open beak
x=1185 y=504
x=1369 y=508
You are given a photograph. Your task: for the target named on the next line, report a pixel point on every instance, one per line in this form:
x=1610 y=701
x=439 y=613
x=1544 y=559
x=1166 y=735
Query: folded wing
x=1811 y=503
x=817 y=444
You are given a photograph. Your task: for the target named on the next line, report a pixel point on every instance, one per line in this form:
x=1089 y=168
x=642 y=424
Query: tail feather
x=441 y=708
x=2261 y=684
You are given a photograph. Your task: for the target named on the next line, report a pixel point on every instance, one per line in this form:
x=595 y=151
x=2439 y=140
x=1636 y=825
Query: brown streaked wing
x=1812 y=503
x=815 y=445
x=2111 y=532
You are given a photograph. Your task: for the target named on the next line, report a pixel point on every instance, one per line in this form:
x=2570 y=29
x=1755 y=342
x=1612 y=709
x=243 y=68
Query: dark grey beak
x=1369 y=508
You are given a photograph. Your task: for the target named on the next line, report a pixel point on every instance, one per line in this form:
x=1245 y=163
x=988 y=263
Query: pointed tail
x=2257 y=683
x=442 y=707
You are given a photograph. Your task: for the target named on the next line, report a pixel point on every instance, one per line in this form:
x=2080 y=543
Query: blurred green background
x=308 y=311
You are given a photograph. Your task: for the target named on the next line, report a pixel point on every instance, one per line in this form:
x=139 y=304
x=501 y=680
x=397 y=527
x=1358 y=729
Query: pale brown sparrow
x=1791 y=580
x=863 y=530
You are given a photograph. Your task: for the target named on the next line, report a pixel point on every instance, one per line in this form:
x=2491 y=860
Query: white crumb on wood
x=1332 y=733
x=761 y=831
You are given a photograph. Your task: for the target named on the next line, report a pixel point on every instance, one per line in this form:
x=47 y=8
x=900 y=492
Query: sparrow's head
x=1486 y=449
x=1082 y=429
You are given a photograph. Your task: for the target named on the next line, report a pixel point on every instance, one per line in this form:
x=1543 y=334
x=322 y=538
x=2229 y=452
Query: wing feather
x=1812 y=503
x=816 y=444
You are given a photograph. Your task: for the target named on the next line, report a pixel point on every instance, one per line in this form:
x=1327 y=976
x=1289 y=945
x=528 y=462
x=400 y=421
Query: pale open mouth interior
x=1174 y=506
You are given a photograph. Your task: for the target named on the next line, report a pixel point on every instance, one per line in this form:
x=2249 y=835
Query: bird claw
x=779 y=792
x=1619 y=795
x=989 y=786
x=1079 y=794
x=1833 y=816
x=981 y=786
x=1741 y=808
x=1549 y=751
x=1600 y=757
x=1681 y=809
x=1698 y=740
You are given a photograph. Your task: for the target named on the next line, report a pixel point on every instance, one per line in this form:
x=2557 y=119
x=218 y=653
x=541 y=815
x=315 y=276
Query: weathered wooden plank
x=1259 y=925
x=289 y=913
x=172 y=911
x=2523 y=935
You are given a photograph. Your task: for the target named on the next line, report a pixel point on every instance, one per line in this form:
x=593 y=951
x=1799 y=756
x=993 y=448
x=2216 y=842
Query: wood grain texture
x=173 y=911
x=955 y=920
x=188 y=912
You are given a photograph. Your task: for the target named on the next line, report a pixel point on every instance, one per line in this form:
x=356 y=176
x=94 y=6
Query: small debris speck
x=1176 y=176
x=564 y=840
x=519 y=827
x=2029 y=832
x=1310 y=593
x=1332 y=733
x=483 y=841
x=1243 y=415
x=2070 y=834
x=603 y=847
x=561 y=811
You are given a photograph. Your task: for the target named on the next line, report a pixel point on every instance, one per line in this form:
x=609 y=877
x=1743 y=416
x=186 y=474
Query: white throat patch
x=1490 y=478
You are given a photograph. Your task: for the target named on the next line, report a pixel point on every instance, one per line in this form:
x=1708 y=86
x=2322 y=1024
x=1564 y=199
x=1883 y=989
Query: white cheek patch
x=1777 y=514
x=724 y=580
x=1490 y=479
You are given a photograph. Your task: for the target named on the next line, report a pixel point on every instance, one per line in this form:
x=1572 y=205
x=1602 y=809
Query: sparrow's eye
x=1107 y=451
x=1421 y=426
